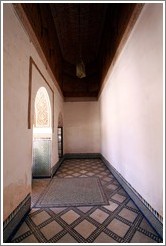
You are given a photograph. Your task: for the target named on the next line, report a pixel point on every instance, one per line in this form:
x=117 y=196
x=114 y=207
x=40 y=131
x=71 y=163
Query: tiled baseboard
x=12 y=222
x=82 y=156
x=56 y=166
x=152 y=215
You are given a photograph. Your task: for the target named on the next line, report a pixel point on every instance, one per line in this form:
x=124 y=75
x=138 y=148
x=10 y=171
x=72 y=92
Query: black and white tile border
x=152 y=215
x=11 y=224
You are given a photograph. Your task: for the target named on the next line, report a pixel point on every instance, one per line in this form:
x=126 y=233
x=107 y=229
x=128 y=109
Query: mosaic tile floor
x=118 y=222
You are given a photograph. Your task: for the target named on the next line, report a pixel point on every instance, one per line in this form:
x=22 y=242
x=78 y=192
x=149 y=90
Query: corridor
x=120 y=221
x=83 y=137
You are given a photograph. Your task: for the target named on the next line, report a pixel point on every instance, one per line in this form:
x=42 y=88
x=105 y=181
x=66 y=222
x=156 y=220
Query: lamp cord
x=79 y=30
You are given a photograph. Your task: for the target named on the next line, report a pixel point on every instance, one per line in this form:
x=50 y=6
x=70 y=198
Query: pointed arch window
x=42 y=109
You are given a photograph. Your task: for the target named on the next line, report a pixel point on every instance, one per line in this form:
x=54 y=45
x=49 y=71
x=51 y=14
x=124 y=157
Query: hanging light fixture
x=80 y=69
x=80 y=66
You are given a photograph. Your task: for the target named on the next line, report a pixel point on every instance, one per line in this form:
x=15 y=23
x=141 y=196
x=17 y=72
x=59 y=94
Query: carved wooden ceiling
x=67 y=30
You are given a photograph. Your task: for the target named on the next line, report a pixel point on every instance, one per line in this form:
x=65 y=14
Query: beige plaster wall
x=17 y=139
x=82 y=127
x=131 y=109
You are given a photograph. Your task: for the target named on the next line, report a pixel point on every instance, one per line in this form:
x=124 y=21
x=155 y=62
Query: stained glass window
x=42 y=109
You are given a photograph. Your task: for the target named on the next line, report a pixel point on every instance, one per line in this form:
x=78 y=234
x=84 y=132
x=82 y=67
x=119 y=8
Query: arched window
x=42 y=109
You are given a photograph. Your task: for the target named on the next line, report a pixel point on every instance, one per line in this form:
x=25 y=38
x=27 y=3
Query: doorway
x=42 y=135
x=60 y=142
x=60 y=136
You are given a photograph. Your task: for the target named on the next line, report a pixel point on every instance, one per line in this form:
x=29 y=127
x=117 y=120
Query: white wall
x=82 y=127
x=131 y=109
x=17 y=144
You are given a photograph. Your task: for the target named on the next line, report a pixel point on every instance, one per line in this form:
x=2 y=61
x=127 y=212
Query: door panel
x=41 y=157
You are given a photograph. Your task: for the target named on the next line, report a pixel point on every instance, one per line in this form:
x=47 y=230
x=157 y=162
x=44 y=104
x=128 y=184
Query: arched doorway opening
x=60 y=136
x=42 y=135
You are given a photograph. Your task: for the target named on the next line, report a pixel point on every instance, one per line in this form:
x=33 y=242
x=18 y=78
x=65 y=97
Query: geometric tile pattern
x=118 y=222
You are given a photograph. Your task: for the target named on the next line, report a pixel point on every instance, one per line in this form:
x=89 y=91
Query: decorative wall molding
x=13 y=221
x=151 y=214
